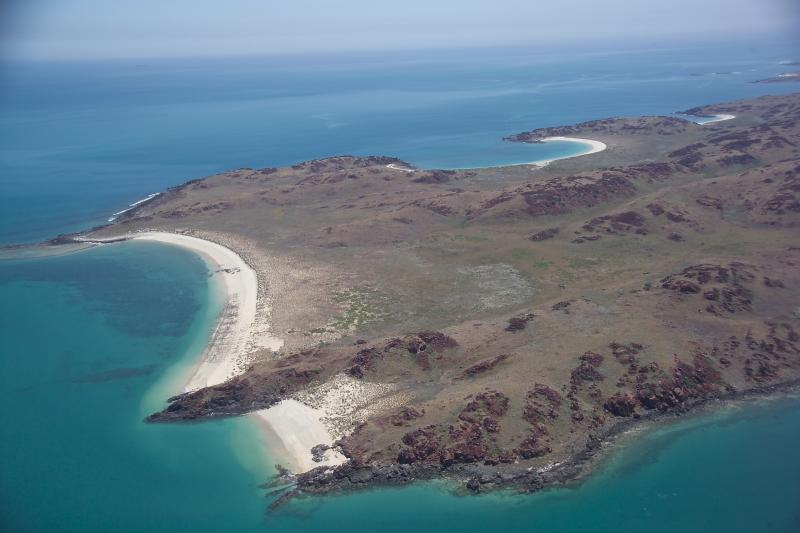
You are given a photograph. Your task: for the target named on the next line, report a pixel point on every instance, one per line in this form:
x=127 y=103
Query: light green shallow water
x=92 y=341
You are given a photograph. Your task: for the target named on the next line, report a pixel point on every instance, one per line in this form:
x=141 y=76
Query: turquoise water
x=732 y=472
x=93 y=341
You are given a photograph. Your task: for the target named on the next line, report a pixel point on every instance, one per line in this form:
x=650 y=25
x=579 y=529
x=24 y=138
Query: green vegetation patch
x=362 y=305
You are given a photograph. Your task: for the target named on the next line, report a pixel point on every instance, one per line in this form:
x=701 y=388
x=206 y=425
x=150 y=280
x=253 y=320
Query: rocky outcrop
x=725 y=288
x=236 y=396
x=483 y=366
x=465 y=441
x=559 y=195
x=544 y=235
x=586 y=371
x=620 y=404
x=688 y=382
x=519 y=322
x=620 y=223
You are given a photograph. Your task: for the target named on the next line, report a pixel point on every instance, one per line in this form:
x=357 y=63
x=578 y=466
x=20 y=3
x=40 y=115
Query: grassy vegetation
x=362 y=305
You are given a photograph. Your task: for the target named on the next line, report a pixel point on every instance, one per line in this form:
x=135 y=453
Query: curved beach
x=592 y=145
x=229 y=351
x=717 y=118
x=292 y=428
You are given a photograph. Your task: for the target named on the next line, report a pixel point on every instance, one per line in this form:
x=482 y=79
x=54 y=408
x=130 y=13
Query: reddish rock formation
x=531 y=447
x=620 y=404
x=406 y=414
x=483 y=366
x=587 y=369
x=728 y=292
x=518 y=322
x=542 y=404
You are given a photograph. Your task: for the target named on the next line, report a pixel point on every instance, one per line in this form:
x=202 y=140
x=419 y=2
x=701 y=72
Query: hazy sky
x=152 y=28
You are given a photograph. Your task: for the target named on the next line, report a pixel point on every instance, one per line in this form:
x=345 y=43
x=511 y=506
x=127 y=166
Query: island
x=498 y=327
x=781 y=78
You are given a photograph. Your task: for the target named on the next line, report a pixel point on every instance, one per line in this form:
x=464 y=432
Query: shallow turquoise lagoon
x=92 y=342
x=95 y=340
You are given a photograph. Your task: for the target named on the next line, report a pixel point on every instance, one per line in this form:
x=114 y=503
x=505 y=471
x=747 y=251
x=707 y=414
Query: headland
x=496 y=326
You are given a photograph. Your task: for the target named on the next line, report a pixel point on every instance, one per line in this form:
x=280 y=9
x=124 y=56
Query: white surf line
x=594 y=147
x=131 y=206
x=394 y=166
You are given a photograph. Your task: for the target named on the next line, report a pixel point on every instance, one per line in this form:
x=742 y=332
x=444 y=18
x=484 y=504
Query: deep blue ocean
x=94 y=340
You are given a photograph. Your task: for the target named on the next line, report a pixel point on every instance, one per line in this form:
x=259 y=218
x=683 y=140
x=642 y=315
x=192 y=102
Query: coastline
x=716 y=118
x=594 y=147
x=567 y=472
x=298 y=428
x=291 y=428
x=230 y=349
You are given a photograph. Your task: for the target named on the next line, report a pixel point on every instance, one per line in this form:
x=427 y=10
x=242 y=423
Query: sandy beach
x=592 y=148
x=717 y=118
x=298 y=428
x=394 y=166
x=232 y=343
x=296 y=425
x=592 y=145
x=293 y=426
x=323 y=414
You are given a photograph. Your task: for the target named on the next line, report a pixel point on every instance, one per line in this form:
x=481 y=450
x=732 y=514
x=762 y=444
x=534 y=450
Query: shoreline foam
x=147 y=198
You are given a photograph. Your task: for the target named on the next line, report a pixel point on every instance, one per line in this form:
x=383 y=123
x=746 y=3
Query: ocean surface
x=94 y=340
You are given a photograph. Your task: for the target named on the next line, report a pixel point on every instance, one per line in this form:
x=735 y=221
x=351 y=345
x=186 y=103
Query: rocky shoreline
x=524 y=321
x=481 y=478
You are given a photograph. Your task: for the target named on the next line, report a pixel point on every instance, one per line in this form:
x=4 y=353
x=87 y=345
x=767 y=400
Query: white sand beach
x=592 y=148
x=716 y=118
x=299 y=428
x=394 y=166
x=323 y=414
x=293 y=426
x=231 y=346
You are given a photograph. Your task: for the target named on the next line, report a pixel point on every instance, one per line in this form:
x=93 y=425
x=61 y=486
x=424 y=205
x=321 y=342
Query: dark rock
x=518 y=322
x=544 y=235
x=620 y=404
x=483 y=366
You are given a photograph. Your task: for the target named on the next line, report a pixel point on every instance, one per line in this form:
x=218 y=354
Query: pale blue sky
x=153 y=28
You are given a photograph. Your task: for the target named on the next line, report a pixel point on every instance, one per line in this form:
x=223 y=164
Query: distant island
x=502 y=326
x=781 y=78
